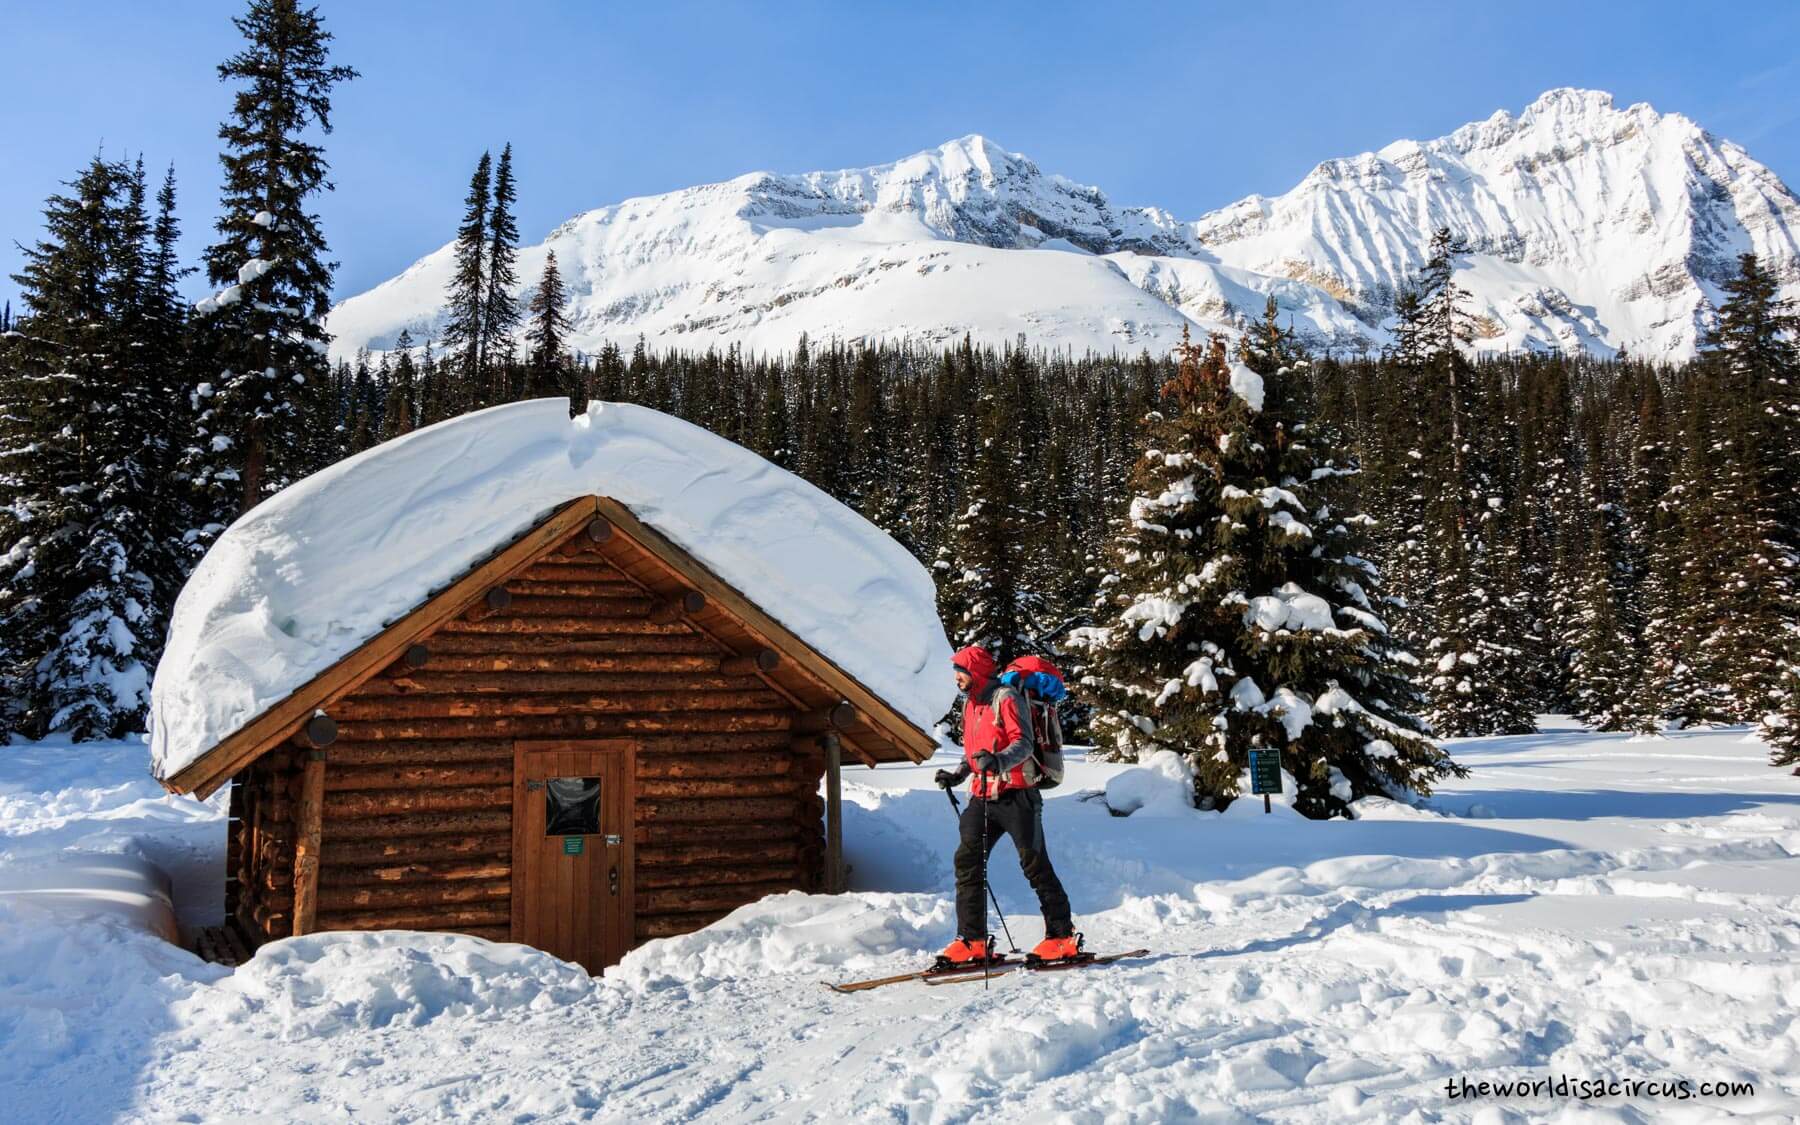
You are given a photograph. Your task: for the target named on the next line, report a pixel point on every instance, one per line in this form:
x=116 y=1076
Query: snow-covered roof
x=315 y=571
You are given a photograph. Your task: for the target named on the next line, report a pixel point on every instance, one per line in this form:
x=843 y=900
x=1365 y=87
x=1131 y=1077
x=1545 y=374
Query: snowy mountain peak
x=1593 y=227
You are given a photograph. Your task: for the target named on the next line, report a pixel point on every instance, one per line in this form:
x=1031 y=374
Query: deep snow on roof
x=311 y=573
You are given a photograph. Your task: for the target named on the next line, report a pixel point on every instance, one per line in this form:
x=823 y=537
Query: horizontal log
x=652 y=788
x=660 y=663
x=446 y=893
x=748 y=852
x=840 y=716
x=414 y=658
x=411 y=826
x=585 y=567
x=633 y=606
x=478 y=868
x=676 y=608
x=597 y=531
x=445 y=682
x=674 y=925
x=405 y=850
x=715 y=810
x=496 y=601
x=769 y=831
x=552 y=626
x=264 y=897
x=689 y=643
x=606 y=703
x=714 y=875
x=527 y=586
x=429 y=752
x=388 y=802
x=487 y=933
x=415 y=918
x=341 y=778
x=566 y=726
x=762 y=661
x=680 y=764
x=691 y=899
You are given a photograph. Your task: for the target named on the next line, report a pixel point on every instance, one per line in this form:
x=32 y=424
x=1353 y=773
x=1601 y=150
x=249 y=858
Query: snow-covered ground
x=1583 y=905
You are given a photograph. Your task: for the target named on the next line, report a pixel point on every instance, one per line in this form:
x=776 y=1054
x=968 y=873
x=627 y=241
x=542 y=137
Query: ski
x=1031 y=967
x=921 y=974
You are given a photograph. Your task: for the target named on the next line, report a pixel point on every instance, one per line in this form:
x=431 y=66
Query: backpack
x=1041 y=686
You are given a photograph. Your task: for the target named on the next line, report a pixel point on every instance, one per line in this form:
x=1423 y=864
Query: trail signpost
x=1265 y=774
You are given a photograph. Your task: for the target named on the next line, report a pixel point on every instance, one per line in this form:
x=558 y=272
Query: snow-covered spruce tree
x=82 y=454
x=1236 y=613
x=262 y=333
x=499 y=308
x=1475 y=673
x=1688 y=676
x=1752 y=355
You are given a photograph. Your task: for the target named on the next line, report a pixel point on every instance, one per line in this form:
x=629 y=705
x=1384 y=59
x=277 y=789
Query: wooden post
x=307 y=815
x=834 y=815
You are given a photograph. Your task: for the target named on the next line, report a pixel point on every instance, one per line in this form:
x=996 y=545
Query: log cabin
x=587 y=740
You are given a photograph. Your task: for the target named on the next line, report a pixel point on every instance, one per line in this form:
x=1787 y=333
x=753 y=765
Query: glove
x=987 y=763
x=949 y=778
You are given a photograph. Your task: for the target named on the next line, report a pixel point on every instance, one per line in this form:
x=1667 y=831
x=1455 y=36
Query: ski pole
x=1004 y=928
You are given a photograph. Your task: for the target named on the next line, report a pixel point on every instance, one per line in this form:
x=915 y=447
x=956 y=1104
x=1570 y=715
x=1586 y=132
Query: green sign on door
x=572 y=845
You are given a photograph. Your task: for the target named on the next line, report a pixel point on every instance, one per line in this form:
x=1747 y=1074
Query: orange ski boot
x=964 y=953
x=1057 y=949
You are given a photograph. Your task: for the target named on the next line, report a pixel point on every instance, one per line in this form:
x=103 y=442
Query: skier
x=997 y=741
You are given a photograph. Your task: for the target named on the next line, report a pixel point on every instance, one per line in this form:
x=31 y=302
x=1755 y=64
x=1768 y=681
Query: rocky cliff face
x=1593 y=227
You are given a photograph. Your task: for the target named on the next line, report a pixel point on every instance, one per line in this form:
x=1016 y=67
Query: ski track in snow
x=1583 y=904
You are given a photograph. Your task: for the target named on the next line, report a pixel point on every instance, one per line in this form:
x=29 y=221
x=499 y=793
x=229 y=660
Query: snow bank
x=1163 y=785
x=312 y=987
x=318 y=569
x=789 y=932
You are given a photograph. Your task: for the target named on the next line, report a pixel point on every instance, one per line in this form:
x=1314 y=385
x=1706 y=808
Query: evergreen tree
x=987 y=544
x=1220 y=629
x=80 y=452
x=545 y=333
x=465 y=317
x=400 y=406
x=264 y=340
x=499 y=308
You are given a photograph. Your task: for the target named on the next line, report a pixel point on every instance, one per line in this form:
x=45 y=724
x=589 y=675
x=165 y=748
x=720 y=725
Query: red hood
x=978 y=662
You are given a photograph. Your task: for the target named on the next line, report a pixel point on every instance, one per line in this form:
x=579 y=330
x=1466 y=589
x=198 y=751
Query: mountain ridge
x=1593 y=228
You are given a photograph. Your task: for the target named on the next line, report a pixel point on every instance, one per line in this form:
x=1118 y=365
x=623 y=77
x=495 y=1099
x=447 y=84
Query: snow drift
x=316 y=570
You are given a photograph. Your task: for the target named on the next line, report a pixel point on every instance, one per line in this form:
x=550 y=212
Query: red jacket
x=1003 y=731
x=998 y=731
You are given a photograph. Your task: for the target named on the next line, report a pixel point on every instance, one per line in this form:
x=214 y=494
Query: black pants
x=1018 y=813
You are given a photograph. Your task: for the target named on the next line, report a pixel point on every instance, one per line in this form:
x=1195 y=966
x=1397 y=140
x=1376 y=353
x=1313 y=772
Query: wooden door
x=573 y=849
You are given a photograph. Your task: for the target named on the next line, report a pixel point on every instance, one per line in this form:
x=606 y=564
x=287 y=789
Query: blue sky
x=1186 y=106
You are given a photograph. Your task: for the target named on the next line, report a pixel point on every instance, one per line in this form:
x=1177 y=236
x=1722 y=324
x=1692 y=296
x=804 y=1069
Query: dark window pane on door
x=572 y=806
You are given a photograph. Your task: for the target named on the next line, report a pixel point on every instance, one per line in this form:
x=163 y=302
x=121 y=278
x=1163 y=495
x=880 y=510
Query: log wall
x=417 y=811
x=259 y=847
